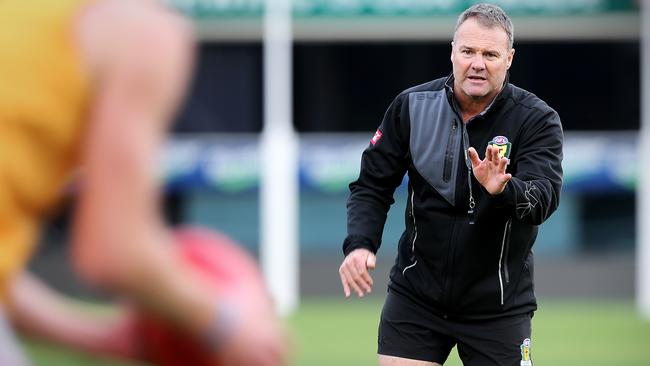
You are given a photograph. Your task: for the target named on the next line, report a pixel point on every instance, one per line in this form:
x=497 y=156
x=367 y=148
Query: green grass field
x=343 y=332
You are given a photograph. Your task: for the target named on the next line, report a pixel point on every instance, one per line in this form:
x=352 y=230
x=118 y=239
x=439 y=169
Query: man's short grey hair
x=490 y=16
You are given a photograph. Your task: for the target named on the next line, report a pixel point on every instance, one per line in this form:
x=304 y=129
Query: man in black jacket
x=464 y=270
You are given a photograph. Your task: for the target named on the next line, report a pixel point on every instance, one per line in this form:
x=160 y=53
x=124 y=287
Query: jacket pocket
x=449 y=154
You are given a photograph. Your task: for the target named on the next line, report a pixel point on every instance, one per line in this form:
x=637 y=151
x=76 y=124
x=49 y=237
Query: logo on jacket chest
x=501 y=143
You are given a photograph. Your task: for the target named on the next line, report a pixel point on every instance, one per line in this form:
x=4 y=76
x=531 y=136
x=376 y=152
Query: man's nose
x=478 y=63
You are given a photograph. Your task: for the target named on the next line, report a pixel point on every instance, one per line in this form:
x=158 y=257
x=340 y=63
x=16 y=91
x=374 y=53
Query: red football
x=227 y=266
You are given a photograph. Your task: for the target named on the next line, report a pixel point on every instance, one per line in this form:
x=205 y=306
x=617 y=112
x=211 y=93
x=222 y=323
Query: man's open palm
x=491 y=171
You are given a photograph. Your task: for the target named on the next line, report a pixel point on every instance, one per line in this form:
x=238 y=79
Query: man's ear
x=451 y=56
x=511 y=55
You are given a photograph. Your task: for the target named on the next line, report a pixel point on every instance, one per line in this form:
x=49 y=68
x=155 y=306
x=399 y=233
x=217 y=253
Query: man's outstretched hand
x=491 y=171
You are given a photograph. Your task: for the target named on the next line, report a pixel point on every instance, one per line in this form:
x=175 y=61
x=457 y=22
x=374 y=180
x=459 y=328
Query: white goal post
x=279 y=162
x=643 y=190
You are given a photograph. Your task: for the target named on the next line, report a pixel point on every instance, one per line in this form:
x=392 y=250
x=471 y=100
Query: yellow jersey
x=43 y=93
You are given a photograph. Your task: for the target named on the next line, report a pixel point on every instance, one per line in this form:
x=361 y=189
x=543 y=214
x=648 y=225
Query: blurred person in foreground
x=95 y=84
x=483 y=159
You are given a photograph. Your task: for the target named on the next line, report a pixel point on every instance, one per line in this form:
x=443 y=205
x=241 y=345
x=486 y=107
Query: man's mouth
x=476 y=78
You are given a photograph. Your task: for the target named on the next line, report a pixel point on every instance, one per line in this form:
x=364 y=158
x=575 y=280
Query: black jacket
x=454 y=267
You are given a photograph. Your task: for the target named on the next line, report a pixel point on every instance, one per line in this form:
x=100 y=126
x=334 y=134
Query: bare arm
x=40 y=312
x=142 y=64
x=120 y=241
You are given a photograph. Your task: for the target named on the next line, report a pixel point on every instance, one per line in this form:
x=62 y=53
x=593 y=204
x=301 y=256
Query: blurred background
x=350 y=59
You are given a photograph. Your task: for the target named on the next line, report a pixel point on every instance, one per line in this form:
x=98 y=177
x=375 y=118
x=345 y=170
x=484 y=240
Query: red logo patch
x=376 y=137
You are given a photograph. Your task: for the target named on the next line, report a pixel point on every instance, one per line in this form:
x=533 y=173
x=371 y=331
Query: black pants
x=409 y=330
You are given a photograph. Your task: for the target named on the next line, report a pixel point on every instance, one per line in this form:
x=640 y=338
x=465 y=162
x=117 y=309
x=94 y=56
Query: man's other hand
x=354 y=272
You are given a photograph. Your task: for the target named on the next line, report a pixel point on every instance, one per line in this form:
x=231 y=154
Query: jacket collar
x=498 y=100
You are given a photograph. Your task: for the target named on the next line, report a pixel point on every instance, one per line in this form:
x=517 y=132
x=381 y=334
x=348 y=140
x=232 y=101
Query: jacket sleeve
x=383 y=165
x=533 y=193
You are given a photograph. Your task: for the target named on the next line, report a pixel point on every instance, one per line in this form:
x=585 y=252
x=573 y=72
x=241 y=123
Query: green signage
x=202 y=9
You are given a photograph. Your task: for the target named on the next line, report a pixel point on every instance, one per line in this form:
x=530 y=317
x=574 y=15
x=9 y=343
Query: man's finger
x=352 y=279
x=364 y=284
x=494 y=154
x=473 y=157
x=488 y=153
x=371 y=261
x=503 y=163
x=357 y=289
x=344 y=282
x=365 y=280
x=347 y=277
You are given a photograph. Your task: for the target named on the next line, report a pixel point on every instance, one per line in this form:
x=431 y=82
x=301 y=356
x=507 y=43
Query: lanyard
x=468 y=164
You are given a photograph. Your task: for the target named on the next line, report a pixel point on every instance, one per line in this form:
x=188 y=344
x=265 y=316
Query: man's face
x=480 y=57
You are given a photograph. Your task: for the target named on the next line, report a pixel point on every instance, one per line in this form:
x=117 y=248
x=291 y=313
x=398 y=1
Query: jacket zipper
x=449 y=154
x=503 y=257
x=415 y=236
